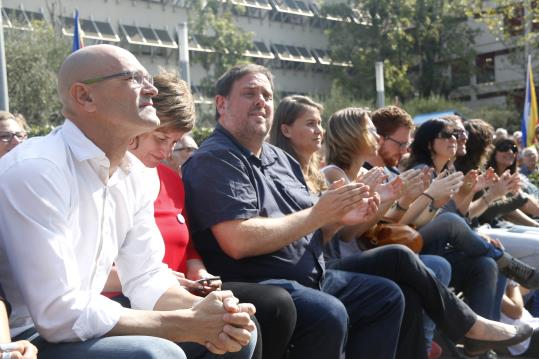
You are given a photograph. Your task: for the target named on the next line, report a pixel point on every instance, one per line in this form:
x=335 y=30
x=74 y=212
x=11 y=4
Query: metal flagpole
x=4 y=98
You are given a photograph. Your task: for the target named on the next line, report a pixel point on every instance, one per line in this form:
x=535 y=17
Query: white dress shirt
x=63 y=222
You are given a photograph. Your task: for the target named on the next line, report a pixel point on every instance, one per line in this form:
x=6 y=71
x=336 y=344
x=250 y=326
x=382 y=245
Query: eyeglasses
x=402 y=145
x=8 y=136
x=191 y=149
x=461 y=134
x=136 y=76
x=508 y=146
x=447 y=135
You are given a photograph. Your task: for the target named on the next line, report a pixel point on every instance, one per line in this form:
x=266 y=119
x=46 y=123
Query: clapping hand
x=445 y=185
x=390 y=191
x=414 y=184
x=486 y=179
x=372 y=178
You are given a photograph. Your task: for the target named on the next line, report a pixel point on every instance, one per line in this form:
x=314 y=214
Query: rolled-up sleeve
x=36 y=199
x=144 y=276
x=222 y=180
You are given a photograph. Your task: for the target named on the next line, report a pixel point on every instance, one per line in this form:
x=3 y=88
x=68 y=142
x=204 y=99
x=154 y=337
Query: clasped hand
x=225 y=325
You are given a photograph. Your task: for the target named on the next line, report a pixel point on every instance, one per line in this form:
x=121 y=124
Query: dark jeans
x=451 y=228
x=133 y=347
x=477 y=278
x=351 y=313
x=421 y=290
x=275 y=313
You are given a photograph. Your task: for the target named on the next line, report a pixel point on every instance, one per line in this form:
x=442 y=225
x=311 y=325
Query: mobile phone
x=208 y=280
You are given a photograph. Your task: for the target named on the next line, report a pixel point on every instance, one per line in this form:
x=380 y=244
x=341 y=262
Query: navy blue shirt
x=224 y=181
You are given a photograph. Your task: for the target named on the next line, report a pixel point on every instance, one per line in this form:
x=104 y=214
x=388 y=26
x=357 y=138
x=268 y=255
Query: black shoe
x=473 y=347
x=518 y=271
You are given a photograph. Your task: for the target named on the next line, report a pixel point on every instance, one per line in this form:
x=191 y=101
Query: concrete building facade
x=288 y=35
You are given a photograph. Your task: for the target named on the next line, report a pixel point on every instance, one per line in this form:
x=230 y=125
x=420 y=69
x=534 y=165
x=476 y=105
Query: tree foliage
x=416 y=39
x=513 y=23
x=213 y=25
x=32 y=61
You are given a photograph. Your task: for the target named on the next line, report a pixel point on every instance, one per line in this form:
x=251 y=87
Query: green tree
x=32 y=60
x=417 y=40
x=212 y=23
x=513 y=23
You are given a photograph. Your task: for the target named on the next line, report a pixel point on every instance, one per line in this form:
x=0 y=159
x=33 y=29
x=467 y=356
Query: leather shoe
x=473 y=347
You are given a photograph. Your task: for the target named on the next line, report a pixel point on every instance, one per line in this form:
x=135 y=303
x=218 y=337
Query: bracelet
x=399 y=207
x=428 y=196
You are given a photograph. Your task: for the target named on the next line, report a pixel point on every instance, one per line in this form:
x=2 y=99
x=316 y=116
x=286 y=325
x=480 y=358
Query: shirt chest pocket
x=293 y=192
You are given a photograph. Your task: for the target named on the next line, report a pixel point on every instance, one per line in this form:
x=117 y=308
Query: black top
x=224 y=181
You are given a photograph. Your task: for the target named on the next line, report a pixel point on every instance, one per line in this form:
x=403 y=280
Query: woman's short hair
x=174 y=102
x=5 y=116
x=347 y=136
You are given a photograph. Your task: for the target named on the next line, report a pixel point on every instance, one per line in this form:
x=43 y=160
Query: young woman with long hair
x=399 y=264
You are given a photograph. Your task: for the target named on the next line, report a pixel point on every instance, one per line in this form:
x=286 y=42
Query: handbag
x=392 y=233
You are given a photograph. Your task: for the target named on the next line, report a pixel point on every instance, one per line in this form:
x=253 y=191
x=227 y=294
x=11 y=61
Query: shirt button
x=181 y=219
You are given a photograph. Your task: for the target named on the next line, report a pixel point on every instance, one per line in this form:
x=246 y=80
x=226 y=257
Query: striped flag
x=77 y=39
x=530 y=117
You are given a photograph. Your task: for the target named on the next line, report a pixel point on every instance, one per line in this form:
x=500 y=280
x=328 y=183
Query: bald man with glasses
x=73 y=203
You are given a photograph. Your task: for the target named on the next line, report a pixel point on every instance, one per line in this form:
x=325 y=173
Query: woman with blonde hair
x=398 y=263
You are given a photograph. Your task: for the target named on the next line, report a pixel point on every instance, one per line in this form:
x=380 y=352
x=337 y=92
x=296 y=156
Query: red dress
x=168 y=209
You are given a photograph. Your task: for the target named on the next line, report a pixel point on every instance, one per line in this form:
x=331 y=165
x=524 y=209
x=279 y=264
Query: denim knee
x=335 y=317
x=488 y=266
x=145 y=347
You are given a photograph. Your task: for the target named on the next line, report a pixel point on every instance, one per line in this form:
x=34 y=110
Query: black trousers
x=422 y=291
x=275 y=313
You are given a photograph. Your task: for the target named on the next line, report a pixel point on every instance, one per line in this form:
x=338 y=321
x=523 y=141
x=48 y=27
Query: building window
x=486 y=71
x=293 y=53
x=259 y=50
x=20 y=19
x=324 y=58
x=90 y=29
x=146 y=36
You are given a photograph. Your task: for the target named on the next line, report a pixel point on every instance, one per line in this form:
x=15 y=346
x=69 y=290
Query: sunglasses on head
x=508 y=146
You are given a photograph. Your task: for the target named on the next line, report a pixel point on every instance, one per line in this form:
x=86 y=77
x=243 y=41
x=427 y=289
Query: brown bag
x=392 y=233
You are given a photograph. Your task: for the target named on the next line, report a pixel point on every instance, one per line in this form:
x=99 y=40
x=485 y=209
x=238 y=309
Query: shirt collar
x=267 y=154
x=84 y=149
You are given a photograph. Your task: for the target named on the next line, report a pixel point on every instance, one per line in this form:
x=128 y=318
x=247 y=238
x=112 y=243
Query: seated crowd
x=119 y=237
